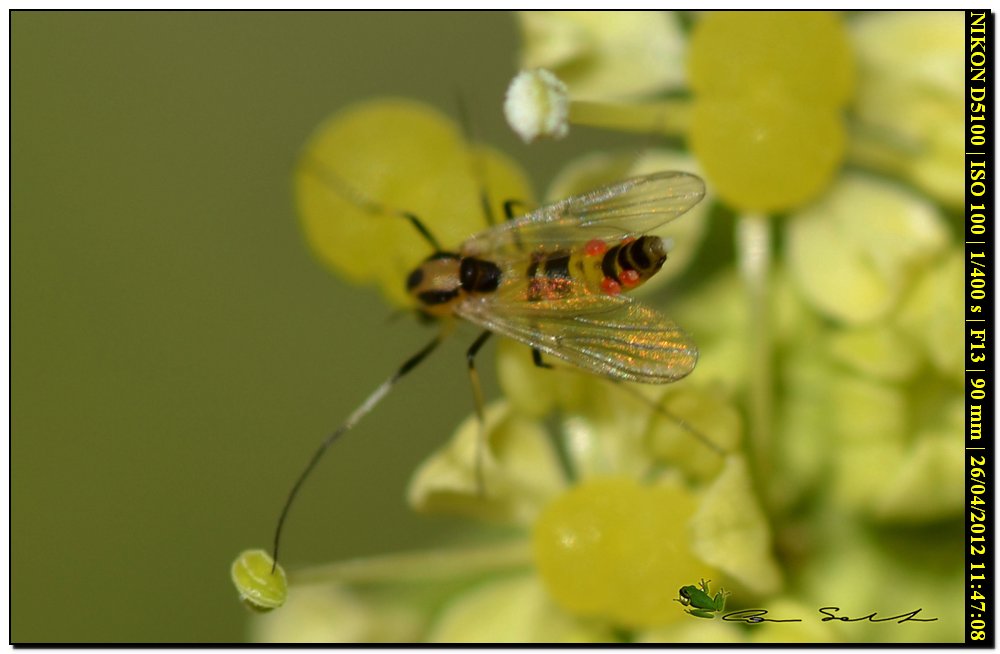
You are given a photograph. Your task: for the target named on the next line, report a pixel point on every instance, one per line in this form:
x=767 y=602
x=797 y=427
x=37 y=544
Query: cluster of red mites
x=629 y=278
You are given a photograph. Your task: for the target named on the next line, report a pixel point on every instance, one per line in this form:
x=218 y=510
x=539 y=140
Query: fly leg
x=536 y=358
x=558 y=440
x=510 y=209
x=658 y=407
x=477 y=398
x=348 y=192
x=352 y=420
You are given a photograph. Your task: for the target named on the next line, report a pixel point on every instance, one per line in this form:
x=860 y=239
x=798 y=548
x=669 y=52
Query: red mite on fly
x=554 y=279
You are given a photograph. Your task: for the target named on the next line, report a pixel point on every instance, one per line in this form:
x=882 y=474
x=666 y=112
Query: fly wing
x=609 y=335
x=628 y=208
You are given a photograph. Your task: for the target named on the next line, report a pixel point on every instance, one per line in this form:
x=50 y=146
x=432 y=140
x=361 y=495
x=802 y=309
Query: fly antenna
x=352 y=420
x=343 y=188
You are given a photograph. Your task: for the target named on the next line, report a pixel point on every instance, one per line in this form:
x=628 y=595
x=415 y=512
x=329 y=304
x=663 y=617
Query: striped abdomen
x=602 y=268
x=446 y=277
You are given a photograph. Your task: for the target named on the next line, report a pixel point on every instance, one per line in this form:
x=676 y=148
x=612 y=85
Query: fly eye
x=414 y=279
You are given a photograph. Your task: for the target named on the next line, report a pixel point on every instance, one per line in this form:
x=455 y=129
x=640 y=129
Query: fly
x=555 y=280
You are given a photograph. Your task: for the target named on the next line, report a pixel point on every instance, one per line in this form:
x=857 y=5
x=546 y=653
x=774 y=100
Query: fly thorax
x=478 y=275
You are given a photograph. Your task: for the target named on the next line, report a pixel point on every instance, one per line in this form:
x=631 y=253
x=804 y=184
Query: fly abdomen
x=549 y=276
x=630 y=263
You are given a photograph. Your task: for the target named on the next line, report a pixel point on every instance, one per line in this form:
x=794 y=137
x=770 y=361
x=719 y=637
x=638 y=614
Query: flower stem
x=881 y=149
x=428 y=565
x=670 y=117
x=754 y=246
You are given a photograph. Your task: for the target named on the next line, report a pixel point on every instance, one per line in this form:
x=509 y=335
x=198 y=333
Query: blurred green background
x=177 y=353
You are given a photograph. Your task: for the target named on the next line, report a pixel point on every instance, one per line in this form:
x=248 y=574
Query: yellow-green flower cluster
x=609 y=497
x=769 y=90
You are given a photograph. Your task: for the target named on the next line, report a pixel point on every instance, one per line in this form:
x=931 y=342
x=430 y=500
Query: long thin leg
x=477 y=398
x=510 y=208
x=476 y=162
x=352 y=420
x=508 y=211
x=342 y=187
x=683 y=424
x=536 y=358
x=484 y=202
x=479 y=171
